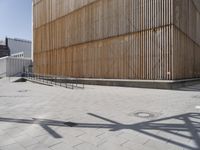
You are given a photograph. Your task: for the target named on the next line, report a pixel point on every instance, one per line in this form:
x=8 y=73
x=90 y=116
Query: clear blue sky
x=16 y=19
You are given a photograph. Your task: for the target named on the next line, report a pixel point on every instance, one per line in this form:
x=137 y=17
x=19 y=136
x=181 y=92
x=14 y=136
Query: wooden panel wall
x=121 y=57
x=186 y=35
x=121 y=39
x=99 y=20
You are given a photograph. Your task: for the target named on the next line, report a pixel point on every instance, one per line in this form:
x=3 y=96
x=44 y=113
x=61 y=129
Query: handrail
x=54 y=80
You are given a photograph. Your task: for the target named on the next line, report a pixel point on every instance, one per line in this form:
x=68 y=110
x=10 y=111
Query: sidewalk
x=39 y=117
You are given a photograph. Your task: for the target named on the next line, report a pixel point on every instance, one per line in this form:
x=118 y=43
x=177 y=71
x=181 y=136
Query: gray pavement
x=34 y=117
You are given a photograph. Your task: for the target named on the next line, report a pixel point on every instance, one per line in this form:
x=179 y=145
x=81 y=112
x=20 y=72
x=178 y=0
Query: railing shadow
x=190 y=123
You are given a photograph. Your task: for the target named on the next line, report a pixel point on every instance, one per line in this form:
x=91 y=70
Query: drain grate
x=23 y=91
x=70 y=124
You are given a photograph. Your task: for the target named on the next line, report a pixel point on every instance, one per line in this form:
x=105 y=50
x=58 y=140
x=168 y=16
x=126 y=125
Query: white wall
x=3 y=66
x=11 y=66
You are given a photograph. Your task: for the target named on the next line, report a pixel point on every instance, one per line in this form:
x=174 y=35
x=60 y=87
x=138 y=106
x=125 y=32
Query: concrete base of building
x=156 y=84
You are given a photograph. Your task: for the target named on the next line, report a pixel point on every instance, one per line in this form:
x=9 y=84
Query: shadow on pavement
x=176 y=125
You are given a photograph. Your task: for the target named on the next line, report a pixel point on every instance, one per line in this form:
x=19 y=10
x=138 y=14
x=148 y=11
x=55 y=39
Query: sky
x=16 y=19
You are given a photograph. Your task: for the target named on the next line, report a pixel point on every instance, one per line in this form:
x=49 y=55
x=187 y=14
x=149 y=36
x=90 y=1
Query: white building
x=18 y=55
x=20 y=48
x=12 y=66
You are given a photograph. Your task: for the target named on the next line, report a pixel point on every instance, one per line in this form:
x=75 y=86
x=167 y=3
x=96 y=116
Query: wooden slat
x=120 y=39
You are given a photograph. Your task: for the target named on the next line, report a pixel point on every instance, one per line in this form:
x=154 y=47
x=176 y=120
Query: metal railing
x=71 y=83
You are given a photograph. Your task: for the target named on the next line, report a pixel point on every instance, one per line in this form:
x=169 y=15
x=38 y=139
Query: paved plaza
x=39 y=117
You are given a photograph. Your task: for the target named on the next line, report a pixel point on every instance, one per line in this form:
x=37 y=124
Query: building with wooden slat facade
x=117 y=39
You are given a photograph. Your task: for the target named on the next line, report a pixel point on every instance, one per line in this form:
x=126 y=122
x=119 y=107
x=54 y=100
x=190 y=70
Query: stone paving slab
x=32 y=117
x=12 y=147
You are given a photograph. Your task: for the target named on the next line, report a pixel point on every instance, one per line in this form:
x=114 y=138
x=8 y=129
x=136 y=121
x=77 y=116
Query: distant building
x=18 y=55
x=4 y=49
x=19 y=47
x=16 y=48
x=15 y=56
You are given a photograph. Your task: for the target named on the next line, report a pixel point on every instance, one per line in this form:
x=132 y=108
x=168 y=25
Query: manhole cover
x=144 y=114
x=70 y=124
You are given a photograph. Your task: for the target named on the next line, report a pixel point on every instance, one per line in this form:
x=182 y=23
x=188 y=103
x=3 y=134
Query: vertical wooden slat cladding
x=186 y=53
x=120 y=39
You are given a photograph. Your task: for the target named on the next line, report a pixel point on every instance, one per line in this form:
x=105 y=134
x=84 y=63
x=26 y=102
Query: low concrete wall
x=156 y=84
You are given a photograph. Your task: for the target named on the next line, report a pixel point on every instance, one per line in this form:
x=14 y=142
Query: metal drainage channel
x=70 y=124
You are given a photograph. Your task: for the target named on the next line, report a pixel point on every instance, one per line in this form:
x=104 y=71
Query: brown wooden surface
x=121 y=39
